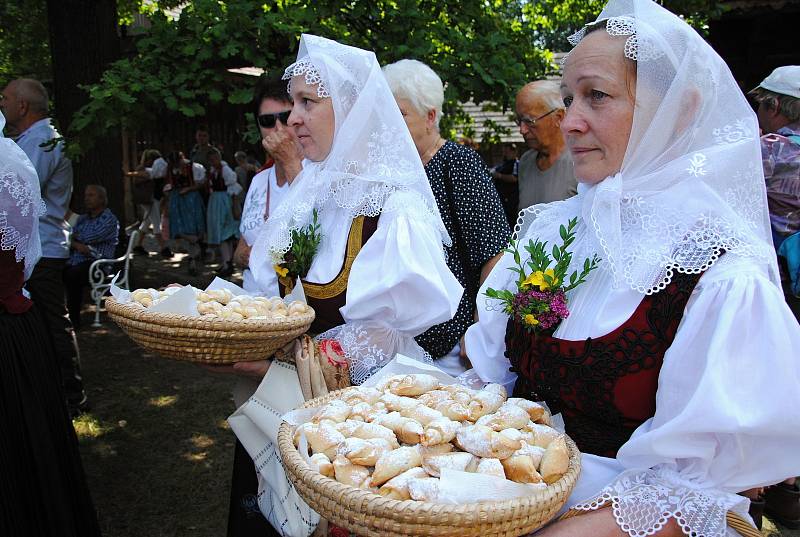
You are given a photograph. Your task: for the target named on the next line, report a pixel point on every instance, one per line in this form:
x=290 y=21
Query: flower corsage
x=297 y=260
x=540 y=302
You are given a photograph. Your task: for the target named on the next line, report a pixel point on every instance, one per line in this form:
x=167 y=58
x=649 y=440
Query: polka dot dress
x=484 y=232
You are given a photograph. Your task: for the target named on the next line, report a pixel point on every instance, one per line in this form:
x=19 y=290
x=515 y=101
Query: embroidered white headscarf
x=20 y=203
x=372 y=155
x=691 y=186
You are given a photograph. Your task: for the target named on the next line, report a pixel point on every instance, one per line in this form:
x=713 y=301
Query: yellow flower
x=280 y=271
x=531 y=320
x=537 y=279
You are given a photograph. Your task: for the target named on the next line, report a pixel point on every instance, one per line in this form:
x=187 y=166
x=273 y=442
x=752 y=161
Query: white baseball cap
x=784 y=80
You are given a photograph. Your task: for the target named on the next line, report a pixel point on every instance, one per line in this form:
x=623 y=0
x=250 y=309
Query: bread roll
x=395 y=463
x=434 y=397
x=521 y=467
x=452 y=410
x=555 y=461
x=373 y=430
x=457 y=460
x=350 y=474
x=414 y=385
x=424 y=490
x=356 y=395
x=542 y=434
x=407 y=430
x=484 y=402
x=363 y=452
x=481 y=441
x=508 y=416
x=422 y=414
x=322 y=464
x=398 y=403
x=440 y=431
x=491 y=467
x=397 y=487
x=322 y=438
x=336 y=410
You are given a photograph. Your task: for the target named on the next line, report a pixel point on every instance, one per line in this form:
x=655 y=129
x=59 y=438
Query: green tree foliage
x=555 y=20
x=24 y=48
x=482 y=49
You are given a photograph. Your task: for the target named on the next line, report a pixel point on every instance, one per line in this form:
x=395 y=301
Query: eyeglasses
x=530 y=123
x=267 y=121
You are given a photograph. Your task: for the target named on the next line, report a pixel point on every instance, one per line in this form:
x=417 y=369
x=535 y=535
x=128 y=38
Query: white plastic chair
x=100 y=279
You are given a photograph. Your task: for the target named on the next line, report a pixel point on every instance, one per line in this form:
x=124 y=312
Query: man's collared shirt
x=781 y=158
x=101 y=232
x=55 y=180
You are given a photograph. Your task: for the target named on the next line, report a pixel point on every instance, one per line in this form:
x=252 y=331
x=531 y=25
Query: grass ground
x=156 y=447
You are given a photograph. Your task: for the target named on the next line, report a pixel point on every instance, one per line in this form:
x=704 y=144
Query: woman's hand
x=241 y=257
x=252 y=369
x=599 y=523
x=185 y=190
x=282 y=145
x=255 y=370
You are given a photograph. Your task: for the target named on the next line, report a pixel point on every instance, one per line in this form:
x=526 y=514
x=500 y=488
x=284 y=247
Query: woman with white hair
x=672 y=362
x=468 y=201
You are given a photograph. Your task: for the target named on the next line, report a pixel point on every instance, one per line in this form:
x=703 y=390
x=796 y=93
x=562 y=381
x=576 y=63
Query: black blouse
x=474 y=218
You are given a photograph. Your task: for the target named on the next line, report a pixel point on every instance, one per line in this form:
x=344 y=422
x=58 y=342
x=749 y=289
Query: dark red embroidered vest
x=604 y=387
x=327 y=298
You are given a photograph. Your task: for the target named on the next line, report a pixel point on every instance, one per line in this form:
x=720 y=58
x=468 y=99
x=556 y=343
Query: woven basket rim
x=135 y=312
x=410 y=511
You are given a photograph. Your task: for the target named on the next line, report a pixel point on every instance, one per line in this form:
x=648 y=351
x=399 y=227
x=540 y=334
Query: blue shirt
x=55 y=180
x=100 y=233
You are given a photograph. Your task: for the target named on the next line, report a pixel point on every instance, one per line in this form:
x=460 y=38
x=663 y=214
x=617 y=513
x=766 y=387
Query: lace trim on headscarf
x=313 y=77
x=636 y=48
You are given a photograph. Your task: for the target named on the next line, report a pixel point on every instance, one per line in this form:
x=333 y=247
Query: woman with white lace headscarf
x=379 y=277
x=674 y=368
x=43 y=490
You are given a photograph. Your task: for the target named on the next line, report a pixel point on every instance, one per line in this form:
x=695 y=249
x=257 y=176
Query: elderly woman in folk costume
x=359 y=228
x=673 y=365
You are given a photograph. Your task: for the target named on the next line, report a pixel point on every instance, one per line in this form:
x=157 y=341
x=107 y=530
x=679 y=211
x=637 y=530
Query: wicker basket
x=368 y=514
x=211 y=341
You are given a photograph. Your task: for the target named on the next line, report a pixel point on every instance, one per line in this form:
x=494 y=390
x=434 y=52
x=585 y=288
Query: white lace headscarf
x=20 y=203
x=691 y=184
x=372 y=155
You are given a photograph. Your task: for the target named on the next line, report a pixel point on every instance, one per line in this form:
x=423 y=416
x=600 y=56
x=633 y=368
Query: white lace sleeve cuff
x=643 y=501
x=370 y=345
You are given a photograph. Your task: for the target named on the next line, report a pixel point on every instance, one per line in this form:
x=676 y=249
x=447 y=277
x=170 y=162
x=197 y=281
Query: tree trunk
x=83 y=41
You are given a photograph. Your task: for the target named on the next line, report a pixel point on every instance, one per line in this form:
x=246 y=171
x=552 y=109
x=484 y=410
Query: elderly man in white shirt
x=25 y=103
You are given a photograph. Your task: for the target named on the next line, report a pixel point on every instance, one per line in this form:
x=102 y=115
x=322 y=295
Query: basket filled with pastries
x=413 y=456
x=215 y=326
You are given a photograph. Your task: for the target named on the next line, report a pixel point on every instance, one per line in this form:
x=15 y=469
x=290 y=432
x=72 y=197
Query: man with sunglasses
x=545 y=171
x=272 y=106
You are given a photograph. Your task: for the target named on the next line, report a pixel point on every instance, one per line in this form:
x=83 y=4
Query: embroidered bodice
x=605 y=387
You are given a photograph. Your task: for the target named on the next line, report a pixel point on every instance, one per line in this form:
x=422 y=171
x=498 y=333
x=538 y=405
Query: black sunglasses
x=267 y=121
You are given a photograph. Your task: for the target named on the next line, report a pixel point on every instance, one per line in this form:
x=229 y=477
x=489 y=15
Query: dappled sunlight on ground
x=163 y=400
x=88 y=426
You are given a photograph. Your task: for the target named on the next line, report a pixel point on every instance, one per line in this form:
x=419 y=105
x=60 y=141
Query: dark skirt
x=43 y=490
